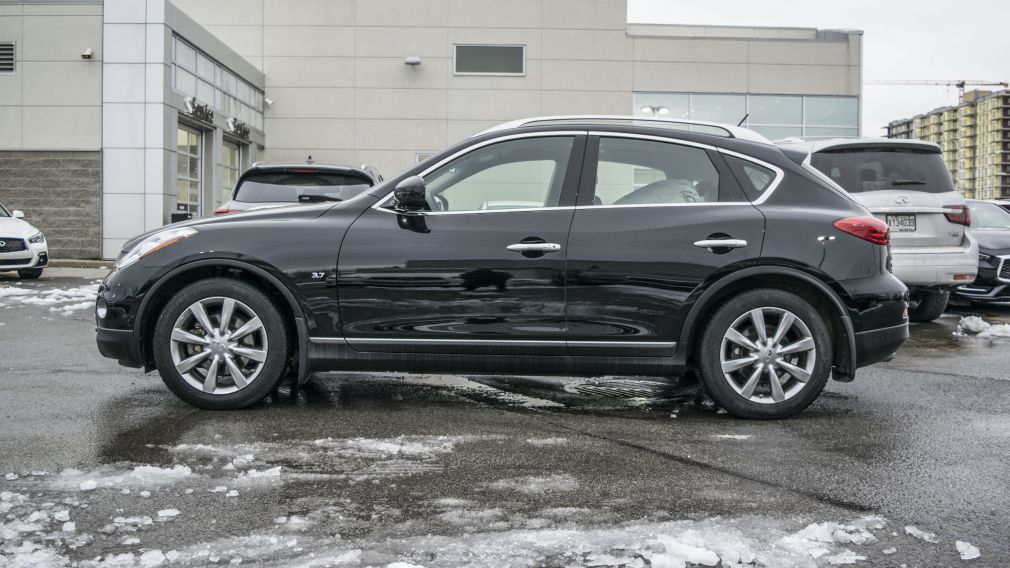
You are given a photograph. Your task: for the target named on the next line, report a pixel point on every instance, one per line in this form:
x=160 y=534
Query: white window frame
x=455 y=49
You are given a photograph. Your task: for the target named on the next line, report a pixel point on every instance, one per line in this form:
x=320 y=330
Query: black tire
x=800 y=394
x=274 y=327
x=928 y=305
x=30 y=273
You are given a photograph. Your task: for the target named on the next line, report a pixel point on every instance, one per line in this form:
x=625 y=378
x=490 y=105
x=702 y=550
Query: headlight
x=37 y=238
x=154 y=243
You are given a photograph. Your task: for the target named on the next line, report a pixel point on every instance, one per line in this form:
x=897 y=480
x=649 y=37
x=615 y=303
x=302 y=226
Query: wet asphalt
x=923 y=440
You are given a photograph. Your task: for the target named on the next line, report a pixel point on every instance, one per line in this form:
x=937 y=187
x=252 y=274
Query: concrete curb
x=74 y=263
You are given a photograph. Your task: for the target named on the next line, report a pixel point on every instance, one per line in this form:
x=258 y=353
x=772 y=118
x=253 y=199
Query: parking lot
x=102 y=464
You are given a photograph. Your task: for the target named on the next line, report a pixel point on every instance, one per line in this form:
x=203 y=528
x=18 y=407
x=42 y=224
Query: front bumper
x=936 y=266
x=37 y=256
x=879 y=345
x=119 y=344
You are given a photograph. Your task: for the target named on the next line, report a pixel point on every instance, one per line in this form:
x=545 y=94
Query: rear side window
x=299 y=187
x=859 y=170
x=642 y=172
x=754 y=179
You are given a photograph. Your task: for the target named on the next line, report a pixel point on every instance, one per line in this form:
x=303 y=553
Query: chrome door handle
x=721 y=243
x=534 y=247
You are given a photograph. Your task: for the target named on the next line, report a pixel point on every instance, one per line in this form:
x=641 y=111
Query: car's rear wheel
x=221 y=344
x=29 y=273
x=765 y=354
x=926 y=304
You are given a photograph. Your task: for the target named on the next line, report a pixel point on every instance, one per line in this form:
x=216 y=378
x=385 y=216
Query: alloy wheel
x=768 y=355
x=219 y=345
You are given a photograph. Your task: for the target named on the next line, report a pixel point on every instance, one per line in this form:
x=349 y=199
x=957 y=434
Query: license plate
x=901 y=223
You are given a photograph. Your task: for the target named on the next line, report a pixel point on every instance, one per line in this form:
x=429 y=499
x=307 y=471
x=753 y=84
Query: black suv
x=565 y=245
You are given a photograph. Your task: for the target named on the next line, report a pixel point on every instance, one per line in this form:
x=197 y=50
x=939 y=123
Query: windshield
x=874 y=169
x=988 y=216
x=3 y=211
x=299 y=187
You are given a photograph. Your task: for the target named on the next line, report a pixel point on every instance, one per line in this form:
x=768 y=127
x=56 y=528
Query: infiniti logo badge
x=901 y=200
x=3 y=244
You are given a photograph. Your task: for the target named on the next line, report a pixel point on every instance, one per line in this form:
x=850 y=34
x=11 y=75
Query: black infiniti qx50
x=562 y=245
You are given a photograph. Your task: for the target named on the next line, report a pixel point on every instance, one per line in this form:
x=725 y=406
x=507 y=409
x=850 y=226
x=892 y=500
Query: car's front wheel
x=221 y=344
x=765 y=354
x=30 y=273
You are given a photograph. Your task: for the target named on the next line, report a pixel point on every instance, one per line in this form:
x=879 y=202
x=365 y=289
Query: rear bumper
x=935 y=266
x=119 y=344
x=879 y=345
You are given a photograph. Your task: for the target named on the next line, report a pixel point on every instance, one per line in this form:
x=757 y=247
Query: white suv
x=22 y=246
x=906 y=184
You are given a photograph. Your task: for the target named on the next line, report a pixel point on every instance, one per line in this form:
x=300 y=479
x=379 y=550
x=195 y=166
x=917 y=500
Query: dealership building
x=118 y=116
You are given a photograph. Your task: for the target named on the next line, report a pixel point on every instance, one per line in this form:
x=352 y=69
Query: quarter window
x=642 y=172
x=753 y=178
x=490 y=60
x=517 y=174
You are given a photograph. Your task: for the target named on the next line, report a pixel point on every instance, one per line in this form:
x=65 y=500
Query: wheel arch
x=806 y=285
x=158 y=296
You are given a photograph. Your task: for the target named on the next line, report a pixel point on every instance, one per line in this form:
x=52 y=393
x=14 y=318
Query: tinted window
x=873 y=169
x=753 y=178
x=294 y=187
x=495 y=59
x=988 y=216
x=517 y=174
x=3 y=211
x=633 y=172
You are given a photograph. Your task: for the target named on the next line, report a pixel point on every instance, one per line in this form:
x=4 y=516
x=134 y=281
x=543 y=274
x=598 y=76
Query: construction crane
x=960 y=84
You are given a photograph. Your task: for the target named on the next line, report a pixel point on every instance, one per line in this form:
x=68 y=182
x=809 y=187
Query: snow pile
x=981 y=328
x=536 y=485
x=967 y=550
x=921 y=534
x=66 y=301
x=107 y=477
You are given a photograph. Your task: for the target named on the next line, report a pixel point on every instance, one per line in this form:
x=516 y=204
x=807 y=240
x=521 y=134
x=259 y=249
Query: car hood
x=11 y=227
x=993 y=241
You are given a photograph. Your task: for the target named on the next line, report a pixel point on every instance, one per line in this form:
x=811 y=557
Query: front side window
x=490 y=60
x=517 y=174
x=642 y=172
x=874 y=169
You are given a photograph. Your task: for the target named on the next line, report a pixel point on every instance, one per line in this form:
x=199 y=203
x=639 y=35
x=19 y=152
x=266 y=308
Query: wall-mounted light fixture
x=412 y=60
x=268 y=101
x=655 y=110
x=87 y=53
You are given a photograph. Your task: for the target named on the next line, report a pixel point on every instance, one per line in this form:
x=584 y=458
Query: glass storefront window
x=778 y=132
x=832 y=111
x=188 y=174
x=662 y=105
x=728 y=109
x=831 y=132
x=230 y=158
x=210 y=83
x=775 y=109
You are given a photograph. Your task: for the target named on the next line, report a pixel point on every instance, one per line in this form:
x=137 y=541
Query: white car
x=906 y=184
x=22 y=247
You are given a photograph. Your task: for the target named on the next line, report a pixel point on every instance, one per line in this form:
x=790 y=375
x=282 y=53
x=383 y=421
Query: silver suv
x=906 y=184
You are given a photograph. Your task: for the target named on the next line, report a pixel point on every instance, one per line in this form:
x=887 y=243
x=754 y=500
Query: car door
x=652 y=216
x=482 y=271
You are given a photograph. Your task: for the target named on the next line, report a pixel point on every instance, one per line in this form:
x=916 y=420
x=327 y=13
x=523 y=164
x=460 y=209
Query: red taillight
x=224 y=211
x=304 y=171
x=959 y=214
x=866 y=228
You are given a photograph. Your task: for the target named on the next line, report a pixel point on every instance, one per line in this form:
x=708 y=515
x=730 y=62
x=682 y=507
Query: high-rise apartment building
x=974 y=137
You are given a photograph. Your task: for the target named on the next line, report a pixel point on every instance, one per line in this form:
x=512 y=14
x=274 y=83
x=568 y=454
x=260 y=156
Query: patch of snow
x=66 y=301
x=534 y=485
x=921 y=534
x=967 y=550
x=734 y=436
x=168 y=513
x=109 y=477
x=889 y=551
x=547 y=441
x=981 y=328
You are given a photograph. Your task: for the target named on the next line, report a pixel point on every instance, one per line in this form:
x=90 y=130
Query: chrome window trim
x=380 y=204
x=503 y=341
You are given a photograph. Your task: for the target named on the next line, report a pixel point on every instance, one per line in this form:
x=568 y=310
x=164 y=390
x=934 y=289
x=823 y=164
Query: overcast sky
x=904 y=39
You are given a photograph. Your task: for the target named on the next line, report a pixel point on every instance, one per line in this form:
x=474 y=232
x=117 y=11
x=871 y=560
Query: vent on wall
x=6 y=56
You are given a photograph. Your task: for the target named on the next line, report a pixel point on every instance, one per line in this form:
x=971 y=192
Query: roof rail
x=725 y=130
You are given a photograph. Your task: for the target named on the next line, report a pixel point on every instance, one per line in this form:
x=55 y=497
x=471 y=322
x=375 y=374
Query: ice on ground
x=981 y=328
x=168 y=513
x=967 y=550
x=547 y=441
x=467 y=386
x=921 y=534
x=109 y=477
x=733 y=436
x=534 y=485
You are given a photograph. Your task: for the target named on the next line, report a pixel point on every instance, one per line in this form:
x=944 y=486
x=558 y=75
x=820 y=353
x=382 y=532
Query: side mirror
x=409 y=194
x=18 y=214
